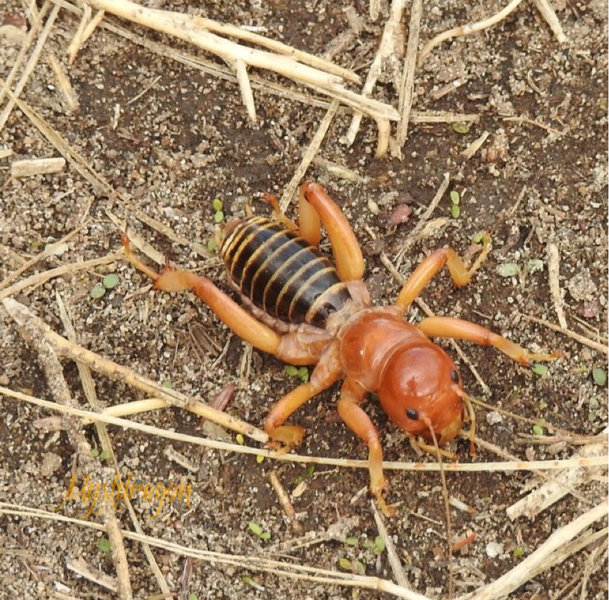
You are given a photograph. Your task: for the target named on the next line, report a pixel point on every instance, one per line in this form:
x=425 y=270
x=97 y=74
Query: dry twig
x=194 y=30
x=557 y=487
x=64 y=347
x=385 y=50
x=504 y=467
x=410 y=64
x=553 y=273
x=539 y=560
x=468 y=29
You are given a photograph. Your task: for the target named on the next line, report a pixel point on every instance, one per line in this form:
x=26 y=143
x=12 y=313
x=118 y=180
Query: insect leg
x=326 y=373
x=450 y=327
x=226 y=309
x=432 y=265
x=314 y=206
x=359 y=422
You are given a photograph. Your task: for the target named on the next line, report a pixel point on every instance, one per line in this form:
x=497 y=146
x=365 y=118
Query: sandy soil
x=179 y=139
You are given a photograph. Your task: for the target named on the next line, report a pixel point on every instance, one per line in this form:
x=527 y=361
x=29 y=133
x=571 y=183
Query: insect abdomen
x=281 y=273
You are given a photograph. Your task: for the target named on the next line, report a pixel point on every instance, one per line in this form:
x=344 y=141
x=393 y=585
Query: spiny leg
x=326 y=373
x=450 y=327
x=352 y=394
x=279 y=216
x=315 y=206
x=432 y=265
x=225 y=308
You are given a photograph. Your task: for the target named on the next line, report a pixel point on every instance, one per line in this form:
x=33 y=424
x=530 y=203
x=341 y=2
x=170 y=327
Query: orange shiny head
x=421 y=388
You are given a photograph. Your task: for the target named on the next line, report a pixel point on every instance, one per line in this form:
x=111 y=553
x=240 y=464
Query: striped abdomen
x=281 y=273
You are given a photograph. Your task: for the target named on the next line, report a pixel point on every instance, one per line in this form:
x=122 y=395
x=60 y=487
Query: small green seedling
x=308 y=473
x=97 y=291
x=354 y=566
x=539 y=369
x=538 y=430
x=301 y=372
x=252 y=583
x=518 y=552
x=103 y=545
x=257 y=530
x=455 y=199
x=110 y=281
x=460 y=127
x=599 y=376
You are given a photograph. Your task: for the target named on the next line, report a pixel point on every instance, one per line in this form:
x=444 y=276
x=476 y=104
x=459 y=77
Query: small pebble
x=493 y=417
x=494 y=549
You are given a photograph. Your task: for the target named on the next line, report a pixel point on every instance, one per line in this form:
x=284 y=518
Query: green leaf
x=599 y=375
x=379 y=544
x=518 y=552
x=104 y=455
x=218 y=216
x=97 y=291
x=94 y=452
x=461 y=127
x=265 y=535
x=255 y=528
x=455 y=198
x=111 y=280
x=103 y=545
x=291 y=370
x=211 y=245
x=240 y=439
x=538 y=430
x=345 y=564
x=455 y=211
x=539 y=369
x=217 y=204
x=351 y=541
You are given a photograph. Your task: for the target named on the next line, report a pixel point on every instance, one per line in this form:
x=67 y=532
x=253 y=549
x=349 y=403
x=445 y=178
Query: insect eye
x=411 y=413
x=454 y=376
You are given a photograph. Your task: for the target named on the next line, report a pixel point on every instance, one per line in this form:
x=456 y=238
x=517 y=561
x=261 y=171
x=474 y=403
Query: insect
x=304 y=310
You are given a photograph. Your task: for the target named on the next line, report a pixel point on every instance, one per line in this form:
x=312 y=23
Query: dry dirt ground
x=168 y=139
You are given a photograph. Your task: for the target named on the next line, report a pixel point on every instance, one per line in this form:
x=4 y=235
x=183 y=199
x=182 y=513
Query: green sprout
x=599 y=376
x=103 y=545
x=257 y=530
x=539 y=369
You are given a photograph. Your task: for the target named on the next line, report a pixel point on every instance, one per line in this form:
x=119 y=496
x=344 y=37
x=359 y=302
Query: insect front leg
x=315 y=207
x=242 y=323
x=327 y=372
x=350 y=411
x=432 y=265
x=450 y=327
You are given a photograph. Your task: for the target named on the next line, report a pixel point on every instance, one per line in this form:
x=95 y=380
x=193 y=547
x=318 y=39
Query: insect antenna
x=449 y=535
x=471 y=415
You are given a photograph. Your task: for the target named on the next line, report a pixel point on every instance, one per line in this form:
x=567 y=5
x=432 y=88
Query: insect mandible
x=305 y=311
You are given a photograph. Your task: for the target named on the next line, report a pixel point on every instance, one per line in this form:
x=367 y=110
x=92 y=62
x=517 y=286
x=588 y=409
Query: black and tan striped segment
x=281 y=273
